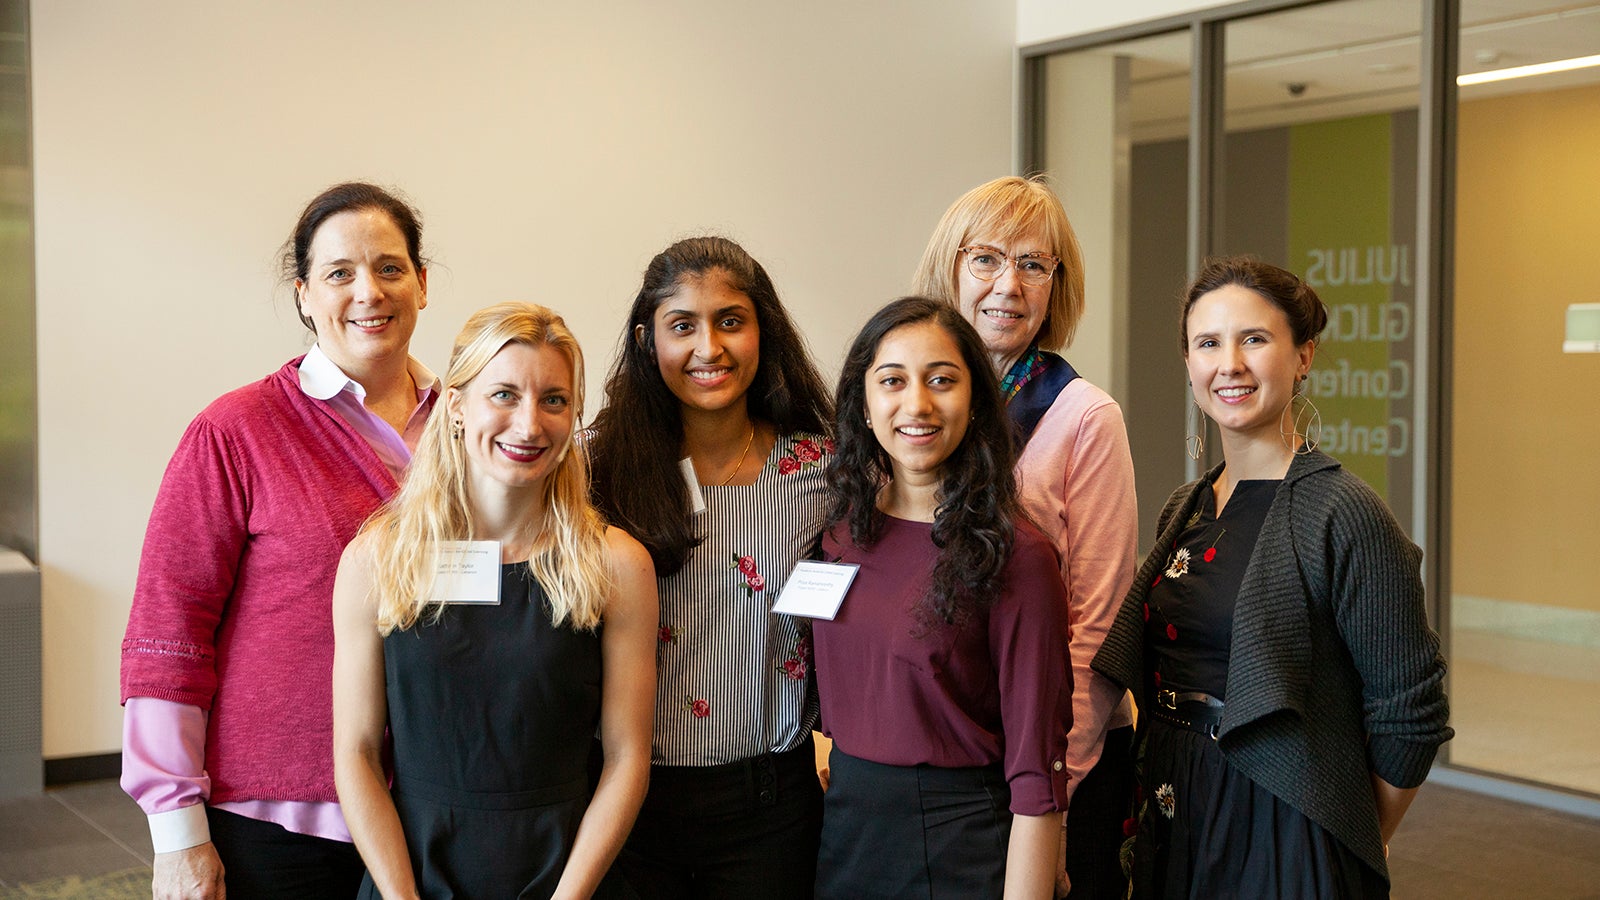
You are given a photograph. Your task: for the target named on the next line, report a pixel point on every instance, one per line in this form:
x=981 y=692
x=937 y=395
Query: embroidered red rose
x=803 y=649
x=1210 y=554
x=699 y=708
x=794 y=668
x=753 y=580
x=665 y=634
x=807 y=451
x=827 y=444
x=788 y=465
x=1129 y=827
x=1172 y=632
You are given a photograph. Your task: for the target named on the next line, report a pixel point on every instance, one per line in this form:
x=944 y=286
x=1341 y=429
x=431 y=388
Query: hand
x=191 y=874
x=1063 y=883
x=824 y=776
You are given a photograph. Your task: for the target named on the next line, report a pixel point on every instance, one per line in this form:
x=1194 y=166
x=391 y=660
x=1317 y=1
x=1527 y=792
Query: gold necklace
x=740 y=464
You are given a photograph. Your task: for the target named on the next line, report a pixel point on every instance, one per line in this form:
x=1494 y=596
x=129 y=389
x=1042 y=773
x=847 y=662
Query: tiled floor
x=89 y=830
x=1455 y=845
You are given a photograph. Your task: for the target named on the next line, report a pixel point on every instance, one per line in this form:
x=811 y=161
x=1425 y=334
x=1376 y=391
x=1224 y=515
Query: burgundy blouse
x=996 y=689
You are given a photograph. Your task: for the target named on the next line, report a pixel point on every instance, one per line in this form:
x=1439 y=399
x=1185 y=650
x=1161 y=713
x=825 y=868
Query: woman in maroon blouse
x=945 y=679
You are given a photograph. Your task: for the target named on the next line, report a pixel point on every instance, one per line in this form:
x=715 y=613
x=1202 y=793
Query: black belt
x=1193 y=710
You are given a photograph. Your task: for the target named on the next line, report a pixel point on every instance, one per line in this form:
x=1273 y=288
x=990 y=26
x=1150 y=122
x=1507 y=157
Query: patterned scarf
x=1022 y=372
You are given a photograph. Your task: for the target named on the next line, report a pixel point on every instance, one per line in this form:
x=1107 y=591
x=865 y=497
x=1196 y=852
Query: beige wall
x=1525 y=516
x=1047 y=20
x=552 y=149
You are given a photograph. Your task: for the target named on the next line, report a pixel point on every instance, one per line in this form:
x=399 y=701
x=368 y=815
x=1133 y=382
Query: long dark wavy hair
x=975 y=523
x=637 y=437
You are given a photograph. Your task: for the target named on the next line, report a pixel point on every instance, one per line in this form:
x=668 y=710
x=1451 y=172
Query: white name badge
x=697 y=502
x=816 y=589
x=469 y=572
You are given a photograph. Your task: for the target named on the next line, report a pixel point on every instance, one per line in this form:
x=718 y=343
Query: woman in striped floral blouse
x=710 y=451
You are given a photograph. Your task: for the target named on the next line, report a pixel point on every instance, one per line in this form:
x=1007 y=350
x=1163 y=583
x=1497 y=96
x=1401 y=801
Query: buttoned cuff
x=1035 y=794
x=179 y=829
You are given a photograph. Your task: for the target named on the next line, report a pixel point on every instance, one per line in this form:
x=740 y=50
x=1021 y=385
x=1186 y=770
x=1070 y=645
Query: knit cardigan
x=1333 y=671
x=232 y=608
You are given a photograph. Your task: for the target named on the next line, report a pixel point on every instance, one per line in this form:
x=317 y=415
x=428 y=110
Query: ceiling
x=1351 y=57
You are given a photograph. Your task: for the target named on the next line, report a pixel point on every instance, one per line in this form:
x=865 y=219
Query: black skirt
x=912 y=831
x=1208 y=831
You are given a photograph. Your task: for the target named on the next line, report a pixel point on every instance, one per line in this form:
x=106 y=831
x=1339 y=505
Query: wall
x=552 y=149
x=1047 y=20
x=1525 y=479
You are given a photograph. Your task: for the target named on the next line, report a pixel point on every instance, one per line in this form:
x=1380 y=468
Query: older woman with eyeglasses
x=1005 y=255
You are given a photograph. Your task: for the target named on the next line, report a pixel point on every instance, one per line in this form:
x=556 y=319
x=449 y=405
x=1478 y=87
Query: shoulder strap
x=1034 y=400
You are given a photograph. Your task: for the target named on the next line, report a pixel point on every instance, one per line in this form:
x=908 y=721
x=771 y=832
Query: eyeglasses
x=986 y=264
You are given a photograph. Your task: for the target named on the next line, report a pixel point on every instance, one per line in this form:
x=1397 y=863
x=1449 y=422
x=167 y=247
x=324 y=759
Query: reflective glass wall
x=1114 y=139
x=19 y=526
x=1524 y=623
x=1320 y=176
x=1450 y=230
x=1313 y=167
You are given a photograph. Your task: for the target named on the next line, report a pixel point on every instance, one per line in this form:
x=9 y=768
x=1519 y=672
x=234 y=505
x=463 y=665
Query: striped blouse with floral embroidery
x=734 y=678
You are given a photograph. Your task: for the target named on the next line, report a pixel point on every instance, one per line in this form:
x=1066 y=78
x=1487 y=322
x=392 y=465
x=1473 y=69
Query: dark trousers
x=734 y=831
x=1100 y=805
x=265 y=861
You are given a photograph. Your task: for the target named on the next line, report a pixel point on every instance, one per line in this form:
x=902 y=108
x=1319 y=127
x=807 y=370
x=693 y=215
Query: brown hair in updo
x=1300 y=304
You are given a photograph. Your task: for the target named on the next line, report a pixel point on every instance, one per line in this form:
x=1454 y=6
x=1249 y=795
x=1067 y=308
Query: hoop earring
x=1195 y=444
x=1313 y=423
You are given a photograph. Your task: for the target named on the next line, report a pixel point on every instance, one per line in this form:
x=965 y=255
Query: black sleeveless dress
x=492 y=711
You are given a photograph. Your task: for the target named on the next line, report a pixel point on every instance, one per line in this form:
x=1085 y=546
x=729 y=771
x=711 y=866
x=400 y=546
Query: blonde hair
x=1007 y=209
x=567 y=555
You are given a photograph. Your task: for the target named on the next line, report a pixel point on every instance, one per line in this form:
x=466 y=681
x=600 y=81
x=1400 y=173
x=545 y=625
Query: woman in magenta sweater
x=944 y=677
x=1005 y=256
x=227 y=660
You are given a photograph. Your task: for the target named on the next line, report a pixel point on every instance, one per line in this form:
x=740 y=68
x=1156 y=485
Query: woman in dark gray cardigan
x=1290 y=689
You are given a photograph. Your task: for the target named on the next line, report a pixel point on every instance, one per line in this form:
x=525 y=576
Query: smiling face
x=708 y=343
x=1243 y=362
x=1007 y=313
x=361 y=290
x=516 y=416
x=919 y=399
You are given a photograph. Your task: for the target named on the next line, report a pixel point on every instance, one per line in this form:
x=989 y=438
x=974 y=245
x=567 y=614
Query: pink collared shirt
x=163 y=742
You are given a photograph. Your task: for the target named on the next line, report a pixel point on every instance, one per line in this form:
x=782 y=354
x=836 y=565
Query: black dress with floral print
x=1189 y=614
x=1205 y=829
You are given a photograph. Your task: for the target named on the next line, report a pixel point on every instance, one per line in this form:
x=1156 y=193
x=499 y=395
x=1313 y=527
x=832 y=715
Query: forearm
x=1031 y=857
x=1392 y=805
x=605 y=825
x=1098 y=545
x=1094 y=699
x=374 y=824
x=163 y=770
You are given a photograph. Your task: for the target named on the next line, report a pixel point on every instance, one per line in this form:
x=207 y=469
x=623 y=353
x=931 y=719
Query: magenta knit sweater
x=232 y=608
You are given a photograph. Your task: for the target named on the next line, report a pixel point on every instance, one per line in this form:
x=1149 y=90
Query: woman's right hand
x=194 y=873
